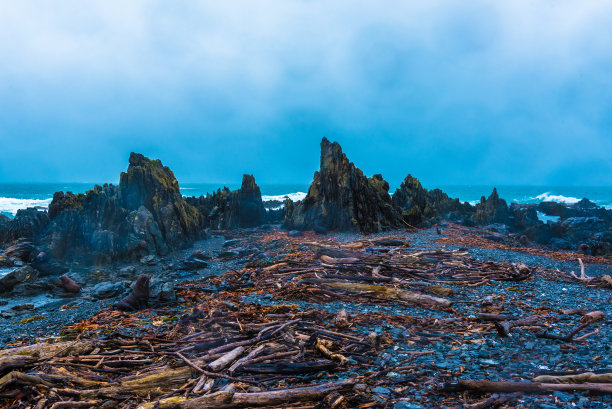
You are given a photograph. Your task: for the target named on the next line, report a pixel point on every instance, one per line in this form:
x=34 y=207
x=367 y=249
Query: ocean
x=15 y=196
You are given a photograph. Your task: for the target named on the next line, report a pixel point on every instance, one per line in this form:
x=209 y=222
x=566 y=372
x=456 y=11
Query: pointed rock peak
x=331 y=152
x=379 y=184
x=412 y=182
x=248 y=183
x=494 y=195
x=147 y=182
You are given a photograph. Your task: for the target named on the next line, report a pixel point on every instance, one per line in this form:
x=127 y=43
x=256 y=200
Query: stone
x=21 y=275
x=294 y=233
x=162 y=291
x=23 y=307
x=148 y=260
x=342 y=198
x=106 y=289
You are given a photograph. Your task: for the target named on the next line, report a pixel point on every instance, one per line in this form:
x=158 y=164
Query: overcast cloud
x=454 y=92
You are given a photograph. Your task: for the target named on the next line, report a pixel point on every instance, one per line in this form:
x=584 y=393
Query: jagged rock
x=491 y=210
x=26 y=224
x=21 y=275
x=150 y=184
x=196 y=261
x=23 y=251
x=162 y=291
x=145 y=214
x=227 y=209
x=341 y=198
x=420 y=206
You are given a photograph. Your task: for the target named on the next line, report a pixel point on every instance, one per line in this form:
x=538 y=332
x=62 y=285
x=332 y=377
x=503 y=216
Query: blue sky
x=453 y=92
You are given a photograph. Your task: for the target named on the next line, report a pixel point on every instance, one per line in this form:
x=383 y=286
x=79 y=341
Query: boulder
x=106 y=289
x=342 y=198
x=21 y=275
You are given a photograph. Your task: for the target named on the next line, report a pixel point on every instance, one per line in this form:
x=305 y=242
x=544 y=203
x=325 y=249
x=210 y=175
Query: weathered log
x=485 y=386
x=390 y=293
x=226 y=359
x=586 y=377
x=494 y=401
x=16 y=361
x=207 y=401
x=504 y=327
x=289 y=368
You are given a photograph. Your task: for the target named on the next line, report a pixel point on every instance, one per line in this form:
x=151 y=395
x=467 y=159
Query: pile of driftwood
x=214 y=349
x=378 y=270
x=229 y=362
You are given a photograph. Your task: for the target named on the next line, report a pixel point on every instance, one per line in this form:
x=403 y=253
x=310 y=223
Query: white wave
x=544 y=218
x=547 y=197
x=281 y=198
x=11 y=205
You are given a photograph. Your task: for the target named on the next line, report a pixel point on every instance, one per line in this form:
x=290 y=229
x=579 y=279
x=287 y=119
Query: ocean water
x=14 y=196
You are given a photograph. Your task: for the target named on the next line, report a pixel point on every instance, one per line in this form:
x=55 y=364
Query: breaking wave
x=548 y=197
x=293 y=196
x=10 y=205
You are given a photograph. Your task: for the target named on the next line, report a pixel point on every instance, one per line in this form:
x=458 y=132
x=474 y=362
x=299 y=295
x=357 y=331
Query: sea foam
x=281 y=198
x=548 y=197
x=10 y=205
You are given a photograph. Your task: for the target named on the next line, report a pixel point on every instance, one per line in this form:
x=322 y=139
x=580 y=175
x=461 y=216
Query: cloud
x=484 y=92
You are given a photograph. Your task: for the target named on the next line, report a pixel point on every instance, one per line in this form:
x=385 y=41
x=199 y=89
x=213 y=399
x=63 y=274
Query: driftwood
x=484 y=386
x=230 y=399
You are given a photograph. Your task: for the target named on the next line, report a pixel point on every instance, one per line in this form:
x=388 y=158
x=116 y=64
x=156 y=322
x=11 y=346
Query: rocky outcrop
x=144 y=214
x=226 y=209
x=342 y=198
x=26 y=224
x=491 y=210
x=421 y=207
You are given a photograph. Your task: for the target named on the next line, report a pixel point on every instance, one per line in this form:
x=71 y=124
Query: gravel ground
x=474 y=355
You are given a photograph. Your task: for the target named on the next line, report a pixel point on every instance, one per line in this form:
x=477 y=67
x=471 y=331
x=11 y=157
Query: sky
x=452 y=92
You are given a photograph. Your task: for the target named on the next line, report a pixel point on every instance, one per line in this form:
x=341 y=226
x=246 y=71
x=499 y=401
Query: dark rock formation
x=24 y=274
x=341 y=198
x=226 y=209
x=491 y=210
x=145 y=214
x=26 y=224
x=420 y=206
x=150 y=184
